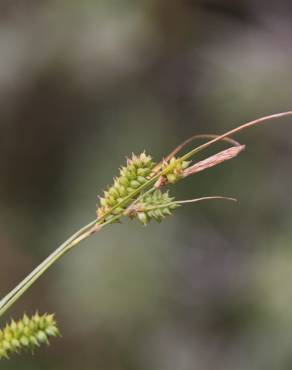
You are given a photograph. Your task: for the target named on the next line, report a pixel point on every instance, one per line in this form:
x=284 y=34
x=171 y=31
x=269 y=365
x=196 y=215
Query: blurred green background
x=85 y=83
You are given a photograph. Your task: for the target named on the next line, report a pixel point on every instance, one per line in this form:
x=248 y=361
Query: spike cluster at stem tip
x=177 y=170
x=27 y=334
x=132 y=176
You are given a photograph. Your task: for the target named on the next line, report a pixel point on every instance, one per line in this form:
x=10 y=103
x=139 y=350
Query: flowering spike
x=27 y=333
x=176 y=172
x=132 y=176
x=153 y=206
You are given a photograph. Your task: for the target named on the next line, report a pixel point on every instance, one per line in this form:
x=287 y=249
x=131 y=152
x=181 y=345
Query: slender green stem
x=178 y=202
x=27 y=282
x=234 y=131
x=205 y=198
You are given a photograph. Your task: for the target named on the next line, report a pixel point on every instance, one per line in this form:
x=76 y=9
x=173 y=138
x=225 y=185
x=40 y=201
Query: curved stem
x=206 y=198
x=234 y=131
x=178 y=202
x=22 y=287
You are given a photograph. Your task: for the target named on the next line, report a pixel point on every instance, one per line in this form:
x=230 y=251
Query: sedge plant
x=137 y=193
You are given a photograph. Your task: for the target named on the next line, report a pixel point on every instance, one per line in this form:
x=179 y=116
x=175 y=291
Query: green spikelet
x=154 y=206
x=27 y=334
x=132 y=176
x=177 y=170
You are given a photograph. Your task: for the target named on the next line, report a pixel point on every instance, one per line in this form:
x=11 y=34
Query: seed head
x=27 y=334
x=132 y=176
x=153 y=206
x=176 y=172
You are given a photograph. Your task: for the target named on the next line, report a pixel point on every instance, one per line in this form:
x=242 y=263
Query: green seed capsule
x=15 y=343
x=111 y=201
x=114 y=192
x=142 y=172
x=33 y=341
x=166 y=211
x=142 y=217
x=141 y=180
x=6 y=345
x=130 y=190
x=171 y=178
x=135 y=184
x=103 y=201
x=122 y=191
x=24 y=341
x=132 y=168
x=42 y=337
x=124 y=181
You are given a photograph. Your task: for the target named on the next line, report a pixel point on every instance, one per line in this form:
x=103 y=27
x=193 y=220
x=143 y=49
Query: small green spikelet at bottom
x=27 y=334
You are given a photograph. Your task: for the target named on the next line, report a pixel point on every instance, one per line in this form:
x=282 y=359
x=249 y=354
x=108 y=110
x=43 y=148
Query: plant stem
x=27 y=282
x=178 y=202
x=234 y=131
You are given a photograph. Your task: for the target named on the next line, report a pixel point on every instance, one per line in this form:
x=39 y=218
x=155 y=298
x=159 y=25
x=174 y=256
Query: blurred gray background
x=85 y=83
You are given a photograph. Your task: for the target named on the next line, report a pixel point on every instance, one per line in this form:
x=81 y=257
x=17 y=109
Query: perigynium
x=137 y=193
